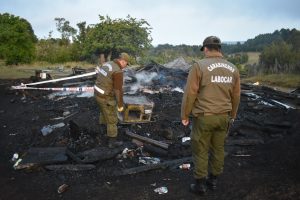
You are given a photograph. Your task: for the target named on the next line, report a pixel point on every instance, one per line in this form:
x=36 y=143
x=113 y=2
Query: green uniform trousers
x=207 y=139
x=108 y=114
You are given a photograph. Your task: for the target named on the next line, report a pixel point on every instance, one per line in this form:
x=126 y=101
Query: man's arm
x=190 y=92
x=235 y=99
x=118 y=87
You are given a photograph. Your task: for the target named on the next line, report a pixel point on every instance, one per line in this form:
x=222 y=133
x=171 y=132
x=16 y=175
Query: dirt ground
x=265 y=170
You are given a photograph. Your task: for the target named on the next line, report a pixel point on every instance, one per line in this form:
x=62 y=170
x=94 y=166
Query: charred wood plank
x=273 y=130
x=74 y=156
x=70 y=167
x=284 y=124
x=42 y=156
x=244 y=142
x=149 y=167
x=155 y=150
x=94 y=155
x=99 y=154
x=148 y=140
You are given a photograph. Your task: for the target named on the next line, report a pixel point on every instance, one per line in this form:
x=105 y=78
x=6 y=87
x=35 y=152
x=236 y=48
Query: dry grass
x=283 y=80
x=253 y=57
x=27 y=70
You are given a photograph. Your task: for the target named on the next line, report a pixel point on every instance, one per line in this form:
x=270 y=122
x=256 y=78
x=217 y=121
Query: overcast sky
x=172 y=21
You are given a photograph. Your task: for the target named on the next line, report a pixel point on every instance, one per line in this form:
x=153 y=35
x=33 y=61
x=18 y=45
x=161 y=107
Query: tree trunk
x=101 y=59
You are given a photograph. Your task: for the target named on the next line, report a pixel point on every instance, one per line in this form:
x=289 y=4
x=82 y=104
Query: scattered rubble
x=161 y=190
x=62 y=188
x=49 y=128
x=161 y=142
x=36 y=157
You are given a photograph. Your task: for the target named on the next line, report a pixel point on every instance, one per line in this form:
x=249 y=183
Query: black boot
x=199 y=187
x=112 y=142
x=212 y=182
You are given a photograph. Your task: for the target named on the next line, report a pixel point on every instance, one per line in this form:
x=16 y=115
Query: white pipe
x=60 y=79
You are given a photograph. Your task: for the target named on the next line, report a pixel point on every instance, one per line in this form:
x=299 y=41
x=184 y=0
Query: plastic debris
x=15 y=157
x=59 y=125
x=46 y=130
x=161 y=190
x=127 y=153
x=49 y=128
x=149 y=160
x=185 y=166
x=184 y=139
x=17 y=163
x=178 y=89
x=62 y=188
x=153 y=184
x=66 y=113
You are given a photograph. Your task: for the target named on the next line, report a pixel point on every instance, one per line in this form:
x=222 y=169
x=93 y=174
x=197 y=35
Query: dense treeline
x=261 y=41
x=107 y=39
x=279 y=54
x=279 y=57
x=280 y=50
x=164 y=53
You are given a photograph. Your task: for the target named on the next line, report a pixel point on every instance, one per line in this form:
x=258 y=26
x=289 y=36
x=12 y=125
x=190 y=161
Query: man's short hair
x=124 y=56
x=213 y=47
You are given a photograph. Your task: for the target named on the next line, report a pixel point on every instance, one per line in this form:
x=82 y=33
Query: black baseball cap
x=211 y=40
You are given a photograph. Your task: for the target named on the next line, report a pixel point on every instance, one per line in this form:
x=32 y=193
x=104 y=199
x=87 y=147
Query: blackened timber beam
x=148 y=140
x=149 y=167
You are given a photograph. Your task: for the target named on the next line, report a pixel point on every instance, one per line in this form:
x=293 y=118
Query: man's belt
x=208 y=114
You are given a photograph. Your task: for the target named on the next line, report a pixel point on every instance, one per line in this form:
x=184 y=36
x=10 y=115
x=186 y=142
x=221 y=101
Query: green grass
x=281 y=80
x=278 y=80
x=27 y=70
x=253 y=57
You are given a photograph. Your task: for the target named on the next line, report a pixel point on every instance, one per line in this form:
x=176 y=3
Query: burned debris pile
x=152 y=133
x=154 y=78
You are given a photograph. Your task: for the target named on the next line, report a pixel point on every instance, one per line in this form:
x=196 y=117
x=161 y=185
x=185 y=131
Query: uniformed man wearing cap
x=109 y=95
x=211 y=96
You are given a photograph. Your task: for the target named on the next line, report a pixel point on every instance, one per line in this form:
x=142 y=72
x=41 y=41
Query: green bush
x=17 y=40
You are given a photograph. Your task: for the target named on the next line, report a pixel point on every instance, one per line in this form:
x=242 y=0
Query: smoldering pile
x=154 y=78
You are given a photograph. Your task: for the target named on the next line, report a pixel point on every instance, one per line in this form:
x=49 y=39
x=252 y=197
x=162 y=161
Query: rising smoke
x=143 y=79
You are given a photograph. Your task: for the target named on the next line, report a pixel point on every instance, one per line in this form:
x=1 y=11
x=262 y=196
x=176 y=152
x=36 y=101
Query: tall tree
x=67 y=31
x=17 y=39
x=79 y=41
x=112 y=36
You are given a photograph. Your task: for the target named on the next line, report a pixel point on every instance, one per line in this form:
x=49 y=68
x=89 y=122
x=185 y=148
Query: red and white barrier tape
x=64 y=89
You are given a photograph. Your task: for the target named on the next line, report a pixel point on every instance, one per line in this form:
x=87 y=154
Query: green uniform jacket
x=213 y=87
x=109 y=81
